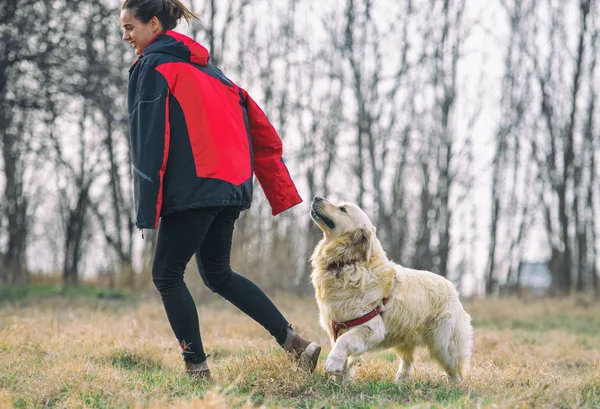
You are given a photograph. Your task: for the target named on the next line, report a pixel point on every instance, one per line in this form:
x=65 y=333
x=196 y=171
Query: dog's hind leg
x=406 y=365
x=356 y=341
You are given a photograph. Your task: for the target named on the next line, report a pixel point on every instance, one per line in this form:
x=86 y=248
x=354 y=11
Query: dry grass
x=82 y=352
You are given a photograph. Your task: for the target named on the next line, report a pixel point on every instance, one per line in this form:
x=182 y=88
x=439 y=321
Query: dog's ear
x=361 y=244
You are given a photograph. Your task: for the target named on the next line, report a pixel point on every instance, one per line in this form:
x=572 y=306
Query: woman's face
x=137 y=33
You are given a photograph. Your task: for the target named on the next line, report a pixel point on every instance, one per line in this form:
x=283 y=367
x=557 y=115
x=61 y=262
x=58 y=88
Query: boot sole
x=311 y=354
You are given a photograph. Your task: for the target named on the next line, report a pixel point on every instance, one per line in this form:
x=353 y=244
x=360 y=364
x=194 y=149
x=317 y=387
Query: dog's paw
x=401 y=378
x=339 y=379
x=354 y=361
x=335 y=365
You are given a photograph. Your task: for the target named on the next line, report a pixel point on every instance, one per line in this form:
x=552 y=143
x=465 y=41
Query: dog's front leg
x=355 y=342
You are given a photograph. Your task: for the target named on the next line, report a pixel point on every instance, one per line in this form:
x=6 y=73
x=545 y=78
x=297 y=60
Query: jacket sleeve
x=149 y=139
x=269 y=167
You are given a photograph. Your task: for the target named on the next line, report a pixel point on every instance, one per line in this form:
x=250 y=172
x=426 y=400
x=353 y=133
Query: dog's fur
x=352 y=275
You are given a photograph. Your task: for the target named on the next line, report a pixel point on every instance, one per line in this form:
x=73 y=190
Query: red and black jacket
x=196 y=137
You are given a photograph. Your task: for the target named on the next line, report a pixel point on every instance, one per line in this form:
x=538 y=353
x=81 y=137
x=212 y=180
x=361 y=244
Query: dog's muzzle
x=316 y=208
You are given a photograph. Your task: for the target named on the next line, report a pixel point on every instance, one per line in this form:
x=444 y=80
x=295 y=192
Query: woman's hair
x=168 y=12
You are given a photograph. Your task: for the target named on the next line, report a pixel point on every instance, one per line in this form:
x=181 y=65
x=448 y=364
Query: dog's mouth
x=318 y=217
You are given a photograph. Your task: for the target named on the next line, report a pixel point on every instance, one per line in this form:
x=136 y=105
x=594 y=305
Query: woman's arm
x=149 y=139
x=268 y=161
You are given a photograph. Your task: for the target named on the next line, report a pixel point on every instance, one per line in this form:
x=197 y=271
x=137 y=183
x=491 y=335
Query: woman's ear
x=155 y=25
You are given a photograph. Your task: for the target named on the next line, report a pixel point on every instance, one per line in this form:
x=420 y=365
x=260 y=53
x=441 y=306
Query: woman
x=196 y=140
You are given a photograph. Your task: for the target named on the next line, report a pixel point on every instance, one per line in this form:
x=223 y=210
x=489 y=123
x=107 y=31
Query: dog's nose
x=318 y=199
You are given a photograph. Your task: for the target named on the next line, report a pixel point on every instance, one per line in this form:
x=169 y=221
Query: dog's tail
x=453 y=341
x=464 y=338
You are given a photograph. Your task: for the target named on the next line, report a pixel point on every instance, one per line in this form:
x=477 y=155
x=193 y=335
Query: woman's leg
x=213 y=261
x=179 y=237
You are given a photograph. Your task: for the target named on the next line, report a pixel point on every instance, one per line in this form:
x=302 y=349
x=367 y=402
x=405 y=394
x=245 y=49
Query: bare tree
x=75 y=199
x=215 y=24
x=514 y=100
x=444 y=36
x=106 y=60
x=444 y=80
x=15 y=151
x=12 y=25
x=382 y=133
x=560 y=112
x=317 y=114
x=76 y=160
x=42 y=23
x=560 y=138
x=586 y=230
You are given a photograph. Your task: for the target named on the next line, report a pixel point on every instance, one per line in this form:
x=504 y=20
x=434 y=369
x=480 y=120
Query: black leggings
x=207 y=233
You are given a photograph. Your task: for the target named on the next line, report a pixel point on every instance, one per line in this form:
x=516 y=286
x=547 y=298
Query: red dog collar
x=336 y=326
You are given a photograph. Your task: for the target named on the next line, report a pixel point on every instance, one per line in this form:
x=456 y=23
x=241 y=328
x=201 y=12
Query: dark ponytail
x=168 y=12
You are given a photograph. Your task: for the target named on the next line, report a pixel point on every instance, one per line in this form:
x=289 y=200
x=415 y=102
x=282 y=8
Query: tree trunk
x=16 y=205
x=74 y=237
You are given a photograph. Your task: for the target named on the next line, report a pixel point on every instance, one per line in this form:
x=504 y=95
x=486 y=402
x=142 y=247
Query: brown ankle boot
x=302 y=350
x=198 y=372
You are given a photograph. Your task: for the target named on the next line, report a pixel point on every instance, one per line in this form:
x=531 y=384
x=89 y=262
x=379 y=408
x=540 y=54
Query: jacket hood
x=179 y=45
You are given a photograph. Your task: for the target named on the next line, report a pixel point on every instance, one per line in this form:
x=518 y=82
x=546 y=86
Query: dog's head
x=349 y=234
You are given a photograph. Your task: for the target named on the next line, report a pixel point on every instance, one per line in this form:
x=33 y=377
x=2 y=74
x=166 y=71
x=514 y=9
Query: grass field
x=82 y=351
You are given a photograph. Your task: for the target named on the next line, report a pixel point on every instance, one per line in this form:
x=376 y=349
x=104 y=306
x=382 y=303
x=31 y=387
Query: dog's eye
x=343 y=209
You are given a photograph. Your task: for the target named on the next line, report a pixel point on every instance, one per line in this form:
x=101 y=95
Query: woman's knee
x=163 y=284
x=216 y=280
x=164 y=278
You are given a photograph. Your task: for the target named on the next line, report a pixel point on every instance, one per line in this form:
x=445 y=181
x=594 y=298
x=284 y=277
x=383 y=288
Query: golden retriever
x=353 y=278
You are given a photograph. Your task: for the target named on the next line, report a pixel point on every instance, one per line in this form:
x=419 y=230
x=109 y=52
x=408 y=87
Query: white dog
x=367 y=302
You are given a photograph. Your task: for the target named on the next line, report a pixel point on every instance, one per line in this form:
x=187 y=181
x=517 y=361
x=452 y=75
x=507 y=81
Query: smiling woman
x=142 y=20
x=196 y=139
